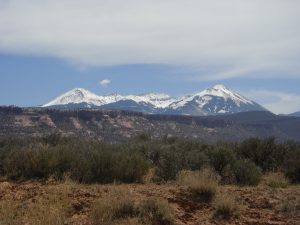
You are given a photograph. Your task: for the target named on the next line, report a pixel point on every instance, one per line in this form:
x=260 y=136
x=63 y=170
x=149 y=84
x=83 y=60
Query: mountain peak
x=220 y=87
x=79 y=89
x=76 y=95
x=80 y=92
x=216 y=100
x=222 y=91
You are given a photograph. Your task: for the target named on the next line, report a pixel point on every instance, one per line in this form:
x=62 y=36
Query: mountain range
x=295 y=114
x=217 y=100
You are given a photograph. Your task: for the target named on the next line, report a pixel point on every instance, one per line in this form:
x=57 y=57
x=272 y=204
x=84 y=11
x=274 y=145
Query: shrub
x=90 y=161
x=129 y=167
x=141 y=138
x=155 y=212
x=52 y=139
x=228 y=176
x=197 y=160
x=221 y=157
x=98 y=162
x=169 y=164
x=118 y=204
x=265 y=153
x=202 y=184
x=292 y=164
x=226 y=207
x=277 y=180
x=247 y=173
x=28 y=163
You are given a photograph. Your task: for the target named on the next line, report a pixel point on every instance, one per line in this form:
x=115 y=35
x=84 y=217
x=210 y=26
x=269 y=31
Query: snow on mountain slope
x=80 y=95
x=207 y=95
x=211 y=101
x=157 y=100
x=223 y=92
x=75 y=96
x=216 y=100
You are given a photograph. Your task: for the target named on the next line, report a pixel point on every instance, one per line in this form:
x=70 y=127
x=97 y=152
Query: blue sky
x=50 y=47
x=32 y=81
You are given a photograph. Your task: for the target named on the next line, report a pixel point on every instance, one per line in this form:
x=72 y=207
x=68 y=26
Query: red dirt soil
x=260 y=205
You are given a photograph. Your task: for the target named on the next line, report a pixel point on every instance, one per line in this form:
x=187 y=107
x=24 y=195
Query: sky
x=136 y=46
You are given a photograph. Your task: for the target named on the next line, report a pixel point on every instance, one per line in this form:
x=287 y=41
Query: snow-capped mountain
x=81 y=98
x=216 y=100
x=211 y=101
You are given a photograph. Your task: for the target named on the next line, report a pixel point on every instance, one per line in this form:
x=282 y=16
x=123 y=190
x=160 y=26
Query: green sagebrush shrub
x=84 y=162
x=89 y=161
x=246 y=172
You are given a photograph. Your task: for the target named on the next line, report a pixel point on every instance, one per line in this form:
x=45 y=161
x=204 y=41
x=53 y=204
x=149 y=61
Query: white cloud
x=105 y=82
x=275 y=101
x=233 y=37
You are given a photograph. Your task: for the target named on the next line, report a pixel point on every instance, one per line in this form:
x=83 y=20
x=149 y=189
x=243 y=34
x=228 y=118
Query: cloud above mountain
x=104 y=82
x=231 y=38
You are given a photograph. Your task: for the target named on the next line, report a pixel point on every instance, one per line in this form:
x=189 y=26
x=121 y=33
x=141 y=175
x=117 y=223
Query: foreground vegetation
x=97 y=162
x=59 y=180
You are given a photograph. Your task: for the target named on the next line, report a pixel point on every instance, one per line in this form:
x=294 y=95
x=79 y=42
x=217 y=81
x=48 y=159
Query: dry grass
x=50 y=209
x=127 y=221
x=117 y=205
x=291 y=207
x=226 y=207
x=155 y=212
x=276 y=180
x=9 y=213
x=118 y=208
x=203 y=185
x=151 y=177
